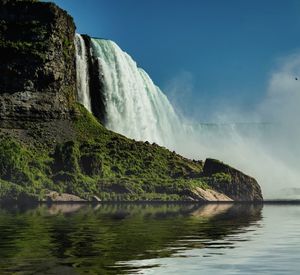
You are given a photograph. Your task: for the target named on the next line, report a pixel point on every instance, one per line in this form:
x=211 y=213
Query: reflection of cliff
x=96 y=239
x=211 y=210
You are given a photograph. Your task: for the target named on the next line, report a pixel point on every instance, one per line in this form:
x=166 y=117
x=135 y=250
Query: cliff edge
x=37 y=70
x=52 y=148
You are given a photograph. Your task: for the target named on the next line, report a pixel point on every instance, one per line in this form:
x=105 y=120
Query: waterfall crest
x=82 y=73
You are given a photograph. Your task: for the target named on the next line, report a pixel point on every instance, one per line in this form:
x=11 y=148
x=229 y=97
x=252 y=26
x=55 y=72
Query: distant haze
x=268 y=151
x=136 y=108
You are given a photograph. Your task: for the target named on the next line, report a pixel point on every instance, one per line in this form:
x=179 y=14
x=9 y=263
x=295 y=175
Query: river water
x=150 y=239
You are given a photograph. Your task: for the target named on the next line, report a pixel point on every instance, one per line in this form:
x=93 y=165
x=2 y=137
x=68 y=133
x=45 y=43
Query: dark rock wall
x=37 y=66
x=96 y=83
x=237 y=185
x=37 y=96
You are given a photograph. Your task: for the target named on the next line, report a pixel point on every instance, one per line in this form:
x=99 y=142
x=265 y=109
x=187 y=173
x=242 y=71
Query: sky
x=203 y=54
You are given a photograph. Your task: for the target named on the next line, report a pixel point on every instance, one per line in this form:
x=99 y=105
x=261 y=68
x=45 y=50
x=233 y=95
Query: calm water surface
x=150 y=239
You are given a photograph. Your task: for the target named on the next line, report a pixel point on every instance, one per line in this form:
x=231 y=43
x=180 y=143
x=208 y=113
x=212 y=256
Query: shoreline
x=265 y=202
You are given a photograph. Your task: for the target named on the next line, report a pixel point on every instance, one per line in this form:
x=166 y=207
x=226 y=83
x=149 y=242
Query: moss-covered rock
x=49 y=144
x=231 y=181
x=98 y=162
x=10 y=192
x=37 y=69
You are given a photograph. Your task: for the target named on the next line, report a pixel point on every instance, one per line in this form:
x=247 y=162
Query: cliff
x=37 y=70
x=52 y=148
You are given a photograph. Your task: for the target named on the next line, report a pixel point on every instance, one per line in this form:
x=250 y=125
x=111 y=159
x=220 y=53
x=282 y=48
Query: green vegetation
x=23 y=48
x=96 y=240
x=221 y=178
x=67 y=45
x=49 y=143
x=10 y=191
x=97 y=162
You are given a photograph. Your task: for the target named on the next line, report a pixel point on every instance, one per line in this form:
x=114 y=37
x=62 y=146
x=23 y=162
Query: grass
x=97 y=162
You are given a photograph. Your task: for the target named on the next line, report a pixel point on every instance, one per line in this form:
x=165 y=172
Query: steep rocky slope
x=48 y=142
x=37 y=72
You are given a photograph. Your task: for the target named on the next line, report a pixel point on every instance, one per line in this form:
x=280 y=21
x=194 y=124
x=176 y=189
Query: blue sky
x=203 y=54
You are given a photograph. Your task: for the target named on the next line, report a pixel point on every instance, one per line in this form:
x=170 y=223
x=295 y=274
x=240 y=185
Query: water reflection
x=109 y=238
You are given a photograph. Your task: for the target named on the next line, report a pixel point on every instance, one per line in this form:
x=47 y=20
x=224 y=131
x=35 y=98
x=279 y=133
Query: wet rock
x=210 y=195
x=53 y=196
x=200 y=194
x=95 y=199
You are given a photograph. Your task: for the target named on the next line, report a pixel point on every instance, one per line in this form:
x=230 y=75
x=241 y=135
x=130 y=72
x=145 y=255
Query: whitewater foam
x=137 y=108
x=82 y=73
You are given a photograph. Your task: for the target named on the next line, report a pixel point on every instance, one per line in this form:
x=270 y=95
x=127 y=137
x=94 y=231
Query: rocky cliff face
x=37 y=68
x=96 y=84
x=51 y=145
x=231 y=182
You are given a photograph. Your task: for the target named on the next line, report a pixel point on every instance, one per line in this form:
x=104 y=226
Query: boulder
x=205 y=195
x=53 y=196
x=231 y=182
x=95 y=199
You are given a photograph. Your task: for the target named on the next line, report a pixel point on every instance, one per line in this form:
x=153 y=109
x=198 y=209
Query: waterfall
x=135 y=107
x=127 y=101
x=82 y=73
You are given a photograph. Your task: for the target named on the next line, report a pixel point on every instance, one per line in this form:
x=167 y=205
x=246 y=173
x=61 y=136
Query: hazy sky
x=203 y=54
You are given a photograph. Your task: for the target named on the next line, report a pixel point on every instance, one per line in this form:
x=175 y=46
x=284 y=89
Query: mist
x=261 y=141
x=265 y=145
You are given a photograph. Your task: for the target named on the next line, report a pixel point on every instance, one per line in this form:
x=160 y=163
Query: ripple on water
x=150 y=239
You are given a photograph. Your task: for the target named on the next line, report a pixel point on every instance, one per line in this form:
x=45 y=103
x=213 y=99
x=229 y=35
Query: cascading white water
x=82 y=74
x=138 y=109
x=135 y=107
